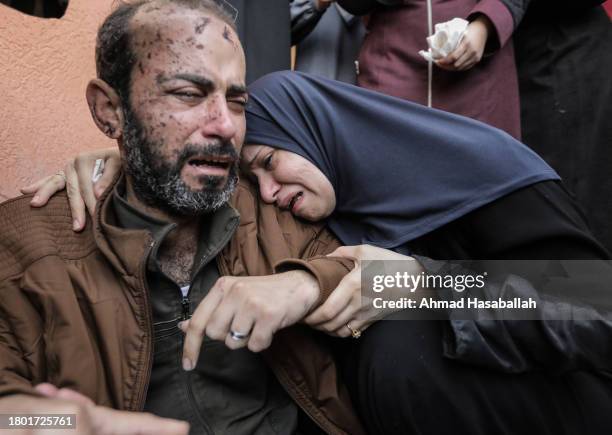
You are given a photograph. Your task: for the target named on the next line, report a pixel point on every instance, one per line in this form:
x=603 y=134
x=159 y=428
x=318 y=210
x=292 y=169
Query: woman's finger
x=355 y=325
x=52 y=185
x=349 y=252
x=32 y=188
x=457 y=53
x=467 y=57
x=77 y=206
x=469 y=64
x=338 y=300
x=112 y=165
x=340 y=320
x=83 y=167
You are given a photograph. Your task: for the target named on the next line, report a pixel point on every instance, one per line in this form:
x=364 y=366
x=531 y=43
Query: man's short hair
x=115 y=57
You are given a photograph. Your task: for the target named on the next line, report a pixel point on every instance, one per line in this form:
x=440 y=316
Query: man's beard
x=158 y=183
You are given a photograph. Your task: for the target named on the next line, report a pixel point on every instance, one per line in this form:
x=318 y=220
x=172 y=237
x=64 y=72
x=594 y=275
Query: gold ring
x=355 y=333
x=62 y=174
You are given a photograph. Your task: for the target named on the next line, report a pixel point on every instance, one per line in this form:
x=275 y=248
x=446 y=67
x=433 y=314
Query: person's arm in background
x=492 y=23
x=360 y=7
x=305 y=14
x=540 y=223
x=517 y=9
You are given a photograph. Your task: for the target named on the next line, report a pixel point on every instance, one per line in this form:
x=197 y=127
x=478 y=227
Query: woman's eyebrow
x=250 y=163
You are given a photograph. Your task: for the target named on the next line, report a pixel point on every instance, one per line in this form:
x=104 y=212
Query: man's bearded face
x=157 y=181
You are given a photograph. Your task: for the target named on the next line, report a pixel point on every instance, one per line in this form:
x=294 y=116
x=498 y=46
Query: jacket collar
x=127 y=249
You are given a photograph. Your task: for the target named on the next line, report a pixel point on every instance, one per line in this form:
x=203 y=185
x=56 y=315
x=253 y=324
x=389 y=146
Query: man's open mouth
x=218 y=162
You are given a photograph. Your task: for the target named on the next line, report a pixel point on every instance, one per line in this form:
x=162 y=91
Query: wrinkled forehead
x=183 y=35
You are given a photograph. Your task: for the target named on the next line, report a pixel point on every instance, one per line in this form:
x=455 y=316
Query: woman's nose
x=268 y=188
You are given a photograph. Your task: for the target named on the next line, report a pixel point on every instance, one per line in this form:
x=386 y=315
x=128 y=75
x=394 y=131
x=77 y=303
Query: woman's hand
x=77 y=179
x=471 y=48
x=345 y=306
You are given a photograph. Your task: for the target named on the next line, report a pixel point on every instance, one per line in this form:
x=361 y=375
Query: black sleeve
x=304 y=18
x=517 y=9
x=359 y=7
x=543 y=223
x=548 y=8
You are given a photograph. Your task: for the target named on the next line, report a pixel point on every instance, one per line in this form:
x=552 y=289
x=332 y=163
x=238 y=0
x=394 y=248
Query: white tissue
x=445 y=39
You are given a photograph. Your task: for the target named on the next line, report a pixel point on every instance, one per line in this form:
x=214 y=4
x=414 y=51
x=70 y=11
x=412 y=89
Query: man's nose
x=268 y=188
x=218 y=121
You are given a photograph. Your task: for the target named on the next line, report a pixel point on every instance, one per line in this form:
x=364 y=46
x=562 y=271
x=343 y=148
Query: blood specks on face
x=201 y=25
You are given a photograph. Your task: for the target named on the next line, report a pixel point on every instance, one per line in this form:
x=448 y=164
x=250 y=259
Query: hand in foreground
x=345 y=306
x=471 y=48
x=99 y=420
x=82 y=192
x=247 y=311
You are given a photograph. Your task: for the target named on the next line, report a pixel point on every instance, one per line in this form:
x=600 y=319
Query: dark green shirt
x=229 y=391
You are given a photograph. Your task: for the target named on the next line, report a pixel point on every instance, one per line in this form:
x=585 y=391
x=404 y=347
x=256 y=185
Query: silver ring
x=238 y=335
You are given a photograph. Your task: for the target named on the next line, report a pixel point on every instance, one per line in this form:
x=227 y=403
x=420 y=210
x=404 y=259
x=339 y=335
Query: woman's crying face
x=289 y=181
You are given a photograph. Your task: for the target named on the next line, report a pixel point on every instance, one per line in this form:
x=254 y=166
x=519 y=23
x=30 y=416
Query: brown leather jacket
x=74 y=307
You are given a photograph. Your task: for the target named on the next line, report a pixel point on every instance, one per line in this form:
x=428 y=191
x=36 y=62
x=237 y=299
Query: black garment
x=564 y=62
x=327 y=41
x=509 y=377
x=265 y=32
x=228 y=391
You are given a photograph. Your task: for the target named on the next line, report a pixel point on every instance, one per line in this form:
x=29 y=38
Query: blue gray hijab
x=399 y=170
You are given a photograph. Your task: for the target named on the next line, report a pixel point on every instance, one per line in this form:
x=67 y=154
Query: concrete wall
x=45 y=65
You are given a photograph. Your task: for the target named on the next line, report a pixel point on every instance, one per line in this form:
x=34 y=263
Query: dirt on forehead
x=167 y=27
x=163 y=20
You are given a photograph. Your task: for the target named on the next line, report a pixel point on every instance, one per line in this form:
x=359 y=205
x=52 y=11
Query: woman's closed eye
x=267 y=162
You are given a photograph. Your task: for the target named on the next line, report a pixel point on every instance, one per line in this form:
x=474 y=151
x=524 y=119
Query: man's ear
x=105 y=106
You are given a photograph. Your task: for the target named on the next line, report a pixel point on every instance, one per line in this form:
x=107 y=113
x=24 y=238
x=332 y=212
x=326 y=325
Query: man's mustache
x=215 y=149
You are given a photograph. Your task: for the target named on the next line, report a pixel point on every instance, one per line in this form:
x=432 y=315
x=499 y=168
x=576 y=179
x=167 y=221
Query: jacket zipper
x=185 y=315
x=186 y=307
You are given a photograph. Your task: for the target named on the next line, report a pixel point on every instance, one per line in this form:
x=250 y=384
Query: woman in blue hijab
x=385 y=172
x=433 y=185
x=397 y=170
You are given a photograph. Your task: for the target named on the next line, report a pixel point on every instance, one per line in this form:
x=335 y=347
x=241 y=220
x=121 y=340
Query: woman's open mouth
x=294 y=201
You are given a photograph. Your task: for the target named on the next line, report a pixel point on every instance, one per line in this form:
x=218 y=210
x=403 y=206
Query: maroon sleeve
x=502 y=21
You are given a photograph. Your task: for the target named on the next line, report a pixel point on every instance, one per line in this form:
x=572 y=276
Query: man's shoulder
x=28 y=234
x=254 y=211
